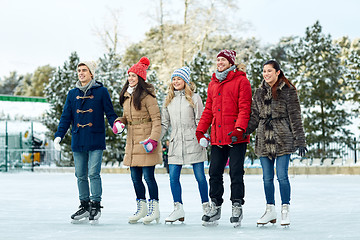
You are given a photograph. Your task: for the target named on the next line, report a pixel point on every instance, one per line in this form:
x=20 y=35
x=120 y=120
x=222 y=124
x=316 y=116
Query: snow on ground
x=39 y=205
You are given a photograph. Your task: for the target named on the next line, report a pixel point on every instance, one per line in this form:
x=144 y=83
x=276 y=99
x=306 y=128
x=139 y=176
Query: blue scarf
x=222 y=75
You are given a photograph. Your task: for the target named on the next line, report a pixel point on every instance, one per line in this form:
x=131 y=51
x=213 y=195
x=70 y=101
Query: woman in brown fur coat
x=276 y=114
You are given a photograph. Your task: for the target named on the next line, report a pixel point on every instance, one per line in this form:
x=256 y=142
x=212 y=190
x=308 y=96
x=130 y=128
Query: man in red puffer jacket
x=227 y=110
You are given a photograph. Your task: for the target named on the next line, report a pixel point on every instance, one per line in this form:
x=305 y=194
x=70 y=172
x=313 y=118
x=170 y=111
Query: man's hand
x=57 y=146
x=236 y=135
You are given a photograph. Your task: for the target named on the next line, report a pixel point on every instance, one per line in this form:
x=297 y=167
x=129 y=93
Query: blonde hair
x=189 y=91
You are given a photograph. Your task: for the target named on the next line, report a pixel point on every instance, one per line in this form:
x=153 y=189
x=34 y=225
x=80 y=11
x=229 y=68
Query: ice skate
x=141 y=211
x=177 y=215
x=214 y=214
x=206 y=207
x=237 y=214
x=95 y=212
x=269 y=216
x=154 y=212
x=81 y=215
x=285 y=216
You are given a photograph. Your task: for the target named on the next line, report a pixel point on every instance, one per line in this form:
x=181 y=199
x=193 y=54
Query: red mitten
x=236 y=135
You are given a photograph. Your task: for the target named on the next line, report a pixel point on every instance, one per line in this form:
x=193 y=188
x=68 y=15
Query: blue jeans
x=88 y=166
x=149 y=176
x=282 y=166
x=174 y=172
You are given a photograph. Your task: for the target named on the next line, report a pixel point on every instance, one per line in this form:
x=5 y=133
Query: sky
x=40 y=32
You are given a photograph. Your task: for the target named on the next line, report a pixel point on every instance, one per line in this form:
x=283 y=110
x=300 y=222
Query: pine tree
x=254 y=70
x=113 y=77
x=9 y=84
x=200 y=73
x=317 y=73
x=255 y=76
x=64 y=79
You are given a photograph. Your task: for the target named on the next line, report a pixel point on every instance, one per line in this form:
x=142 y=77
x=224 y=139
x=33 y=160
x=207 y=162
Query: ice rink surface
x=39 y=205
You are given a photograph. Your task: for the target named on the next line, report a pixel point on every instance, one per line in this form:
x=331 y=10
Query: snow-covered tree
x=200 y=73
x=254 y=70
x=56 y=91
x=317 y=73
x=113 y=77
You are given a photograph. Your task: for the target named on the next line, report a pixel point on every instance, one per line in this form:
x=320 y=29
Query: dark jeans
x=219 y=157
x=149 y=176
x=282 y=166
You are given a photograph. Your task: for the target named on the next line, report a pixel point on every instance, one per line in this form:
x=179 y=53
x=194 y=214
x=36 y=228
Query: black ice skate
x=214 y=214
x=237 y=214
x=82 y=215
x=95 y=212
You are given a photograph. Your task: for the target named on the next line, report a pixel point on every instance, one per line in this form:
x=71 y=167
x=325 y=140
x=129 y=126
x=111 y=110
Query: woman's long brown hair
x=141 y=87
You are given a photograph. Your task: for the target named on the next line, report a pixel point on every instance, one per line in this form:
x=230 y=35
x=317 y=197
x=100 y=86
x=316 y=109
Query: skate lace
x=138 y=208
x=236 y=210
x=213 y=210
x=94 y=210
x=151 y=208
x=206 y=208
x=81 y=210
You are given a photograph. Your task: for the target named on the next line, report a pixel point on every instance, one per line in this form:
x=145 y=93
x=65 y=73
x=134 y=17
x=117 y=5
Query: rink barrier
x=320 y=170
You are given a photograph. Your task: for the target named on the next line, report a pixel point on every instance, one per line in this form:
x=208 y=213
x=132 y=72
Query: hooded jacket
x=227 y=107
x=183 y=119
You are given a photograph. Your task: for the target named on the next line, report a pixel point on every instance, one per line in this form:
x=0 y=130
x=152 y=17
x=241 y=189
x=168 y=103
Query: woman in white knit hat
x=182 y=111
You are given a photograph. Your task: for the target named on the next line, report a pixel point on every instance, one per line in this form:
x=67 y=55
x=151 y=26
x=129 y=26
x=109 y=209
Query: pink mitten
x=149 y=145
x=118 y=127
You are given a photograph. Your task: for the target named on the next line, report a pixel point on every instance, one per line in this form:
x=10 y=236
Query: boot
x=154 y=212
x=237 y=214
x=269 y=215
x=83 y=212
x=177 y=214
x=214 y=212
x=141 y=211
x=95 y=211
x=285 y=216
x=206 y=207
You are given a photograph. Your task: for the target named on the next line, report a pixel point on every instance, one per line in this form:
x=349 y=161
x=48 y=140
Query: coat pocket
x=171 y=147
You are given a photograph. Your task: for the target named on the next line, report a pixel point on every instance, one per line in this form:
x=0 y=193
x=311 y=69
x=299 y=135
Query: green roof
x=10 y=98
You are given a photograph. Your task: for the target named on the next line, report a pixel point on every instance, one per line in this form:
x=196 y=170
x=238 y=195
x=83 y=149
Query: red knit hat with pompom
x=140 y=67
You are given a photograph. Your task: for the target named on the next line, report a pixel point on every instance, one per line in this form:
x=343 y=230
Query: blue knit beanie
x=183 y=72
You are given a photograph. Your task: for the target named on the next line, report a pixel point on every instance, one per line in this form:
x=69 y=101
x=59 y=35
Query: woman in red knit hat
x=141 y=115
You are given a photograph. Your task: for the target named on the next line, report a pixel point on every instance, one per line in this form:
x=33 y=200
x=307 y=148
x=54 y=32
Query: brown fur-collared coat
x=141 y=124
x=278 y=122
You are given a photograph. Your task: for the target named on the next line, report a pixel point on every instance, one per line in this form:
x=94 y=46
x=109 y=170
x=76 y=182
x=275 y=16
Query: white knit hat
x=91 y=65
x=183 y=72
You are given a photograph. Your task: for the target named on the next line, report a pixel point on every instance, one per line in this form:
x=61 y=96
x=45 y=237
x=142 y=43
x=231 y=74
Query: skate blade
x=148 y=222
x=172 y=221
x=285 y=225
x=80 y=221
x=134 y=222
x=235 y=225
x=94 y=222
x=210 y=224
